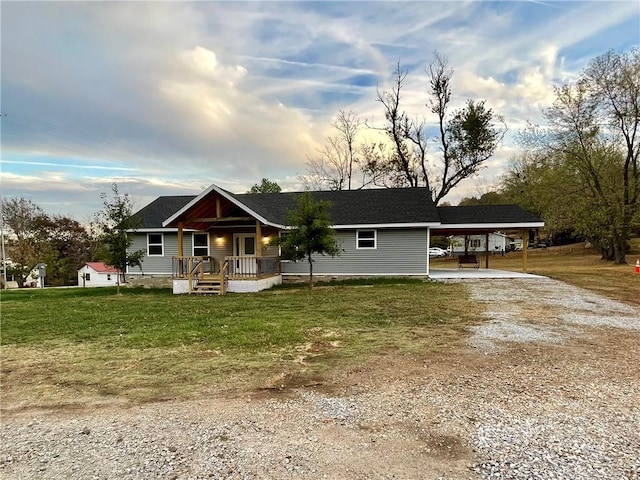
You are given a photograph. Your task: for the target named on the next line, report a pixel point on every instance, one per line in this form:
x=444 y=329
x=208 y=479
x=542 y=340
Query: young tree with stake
x=310 y=232
x=116 y=225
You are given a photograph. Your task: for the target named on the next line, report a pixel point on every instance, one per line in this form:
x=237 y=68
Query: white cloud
x=190 y=93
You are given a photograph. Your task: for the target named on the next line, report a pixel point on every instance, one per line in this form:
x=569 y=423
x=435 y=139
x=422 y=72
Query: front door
x=244 y=245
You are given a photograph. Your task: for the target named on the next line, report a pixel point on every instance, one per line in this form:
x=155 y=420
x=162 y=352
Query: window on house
x=366 y=239
x=200 y=244
x=108 y=277
x=155 y=244
x=475 y=243
x=87 y=277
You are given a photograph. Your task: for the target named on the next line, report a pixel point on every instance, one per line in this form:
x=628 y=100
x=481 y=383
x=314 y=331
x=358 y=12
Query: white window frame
x=375 y=239
x=155 y=245
x=193 y=244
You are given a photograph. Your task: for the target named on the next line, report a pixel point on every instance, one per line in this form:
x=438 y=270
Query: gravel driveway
x=546 y=388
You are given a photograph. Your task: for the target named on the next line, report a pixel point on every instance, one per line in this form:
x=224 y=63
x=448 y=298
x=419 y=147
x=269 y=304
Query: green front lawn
x=68 y=346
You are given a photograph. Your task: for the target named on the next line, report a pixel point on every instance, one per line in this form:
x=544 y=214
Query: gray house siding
x=398 y=252
x=155 y=264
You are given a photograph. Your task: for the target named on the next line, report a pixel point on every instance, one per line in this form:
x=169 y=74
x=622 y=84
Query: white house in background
x=498 y=243
x=97 y=274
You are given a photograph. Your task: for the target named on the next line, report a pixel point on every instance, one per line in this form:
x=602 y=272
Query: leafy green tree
x=266 y=186
x=544 y=187
x=69 y=247
x=35 y=237
x=116 y=227
x=467 y=137
x=593 y=137
x=310 y=232
x=25 y=237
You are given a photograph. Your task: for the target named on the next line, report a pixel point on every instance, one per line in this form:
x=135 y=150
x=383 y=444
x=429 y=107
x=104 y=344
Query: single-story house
x=497 y=242
x=219 y=241
x=97 y=274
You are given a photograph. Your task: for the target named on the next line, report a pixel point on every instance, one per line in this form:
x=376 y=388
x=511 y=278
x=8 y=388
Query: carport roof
x=483 y=214
x=482 y=219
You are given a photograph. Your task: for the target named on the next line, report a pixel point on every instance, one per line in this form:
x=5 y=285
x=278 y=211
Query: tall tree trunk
x=619 y=247
x=310 y=271
x=607 y=247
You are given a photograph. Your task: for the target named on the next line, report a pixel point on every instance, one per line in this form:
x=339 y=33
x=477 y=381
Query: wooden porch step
x=216 y=291
x=209 y=285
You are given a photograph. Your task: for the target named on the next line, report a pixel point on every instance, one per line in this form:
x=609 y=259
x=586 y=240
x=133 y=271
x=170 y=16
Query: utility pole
x=4 y=256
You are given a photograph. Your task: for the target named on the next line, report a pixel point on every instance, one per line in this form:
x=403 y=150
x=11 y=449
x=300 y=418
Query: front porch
x=207 y=275
x=223 y=248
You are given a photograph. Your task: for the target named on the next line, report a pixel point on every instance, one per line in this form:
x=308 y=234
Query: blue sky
x=165 y=98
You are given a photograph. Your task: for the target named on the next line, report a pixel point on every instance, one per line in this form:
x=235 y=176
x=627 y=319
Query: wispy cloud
x=168 y=97
x=69 y=165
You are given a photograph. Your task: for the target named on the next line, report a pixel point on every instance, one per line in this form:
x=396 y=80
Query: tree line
x=31 y=237
x=579 y=171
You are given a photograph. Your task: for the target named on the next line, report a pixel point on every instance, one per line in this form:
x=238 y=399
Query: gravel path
x=547 y=388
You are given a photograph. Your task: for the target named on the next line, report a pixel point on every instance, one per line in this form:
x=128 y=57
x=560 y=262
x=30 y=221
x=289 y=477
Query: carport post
x=486 y=250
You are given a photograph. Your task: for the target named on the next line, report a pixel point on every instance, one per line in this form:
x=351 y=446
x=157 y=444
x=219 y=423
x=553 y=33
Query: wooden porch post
x=180 y=244
x=258 y=239
x=180 y=251
x=486 y=251
x=525 y=248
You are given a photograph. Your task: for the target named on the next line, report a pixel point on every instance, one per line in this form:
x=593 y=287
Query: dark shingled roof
x=505 y=214
x=355 y=207
x=351 y=207
x=160 y=209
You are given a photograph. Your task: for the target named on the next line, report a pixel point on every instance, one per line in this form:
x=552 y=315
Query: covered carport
x=484 y=220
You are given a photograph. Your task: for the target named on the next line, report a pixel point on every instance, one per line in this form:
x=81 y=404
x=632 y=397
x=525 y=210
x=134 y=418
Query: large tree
x=69 y=247
x=310 y=232
x=35 y=237
x=466 y=137
x=594 y=130
x=24 y=237
x=116 y=226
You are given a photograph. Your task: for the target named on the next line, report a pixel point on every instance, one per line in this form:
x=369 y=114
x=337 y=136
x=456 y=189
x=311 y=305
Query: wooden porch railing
x=202 y=272
x=184 y=267
x=253 y=267
x=224 y=275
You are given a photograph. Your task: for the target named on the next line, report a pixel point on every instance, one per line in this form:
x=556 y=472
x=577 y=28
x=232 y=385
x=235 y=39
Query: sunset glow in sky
x=166 y=98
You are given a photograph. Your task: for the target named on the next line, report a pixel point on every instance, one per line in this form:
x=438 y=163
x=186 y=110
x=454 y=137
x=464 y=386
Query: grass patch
x=67 y=346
